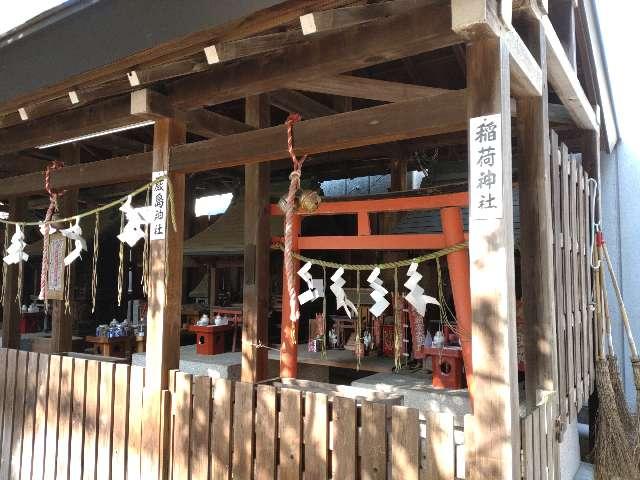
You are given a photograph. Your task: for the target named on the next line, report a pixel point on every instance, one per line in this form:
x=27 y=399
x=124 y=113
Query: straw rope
x=382 y=266
x=94 y=265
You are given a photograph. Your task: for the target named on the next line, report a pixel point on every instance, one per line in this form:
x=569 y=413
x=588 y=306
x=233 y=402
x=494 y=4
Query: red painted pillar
x=458 y=263
x=289 y=350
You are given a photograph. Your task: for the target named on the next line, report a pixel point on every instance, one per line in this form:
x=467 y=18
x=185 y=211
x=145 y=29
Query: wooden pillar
x=165 y=300
x=289 y=351
x=214 y=286
x=536 y=233
x=257 y=238
x=62 y=322
x=491 y=254
x=11 y=306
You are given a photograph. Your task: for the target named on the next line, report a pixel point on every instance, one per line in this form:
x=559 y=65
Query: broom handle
x=606 y=317
x=623 y=310
x=597 y=291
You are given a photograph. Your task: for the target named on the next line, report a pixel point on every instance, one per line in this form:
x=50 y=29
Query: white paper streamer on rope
x=15 y=250
x=74 y=233
x=416 y=296
x=341 y=297
x=52 y=229
x=378 y=293
x=316 y=286
x=136 y=217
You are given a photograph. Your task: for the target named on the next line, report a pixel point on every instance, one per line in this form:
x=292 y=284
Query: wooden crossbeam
x=325 y=20
x=422 y=30
x=295 y=102
x=149 y=104
x=226 y=51
x=359 y=87
x=386 y=123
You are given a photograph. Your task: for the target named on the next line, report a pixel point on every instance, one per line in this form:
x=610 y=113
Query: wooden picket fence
x=538 y=442
x=571 y=206
x=71 y=418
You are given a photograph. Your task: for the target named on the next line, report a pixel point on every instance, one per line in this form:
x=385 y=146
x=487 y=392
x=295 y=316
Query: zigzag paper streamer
x=416 y=296
x=341 y=297
x=316 y=287
x=378 y=293
x=74 y=233
x=136 y=217
x=15 y=250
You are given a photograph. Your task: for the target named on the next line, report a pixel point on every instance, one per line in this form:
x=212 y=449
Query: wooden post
x=11 y=306
x=165 y=299
x=214 y=286
x=536 y=233
x=492 y=279
x=289 y=351
x=257 y=238
x=62 y=322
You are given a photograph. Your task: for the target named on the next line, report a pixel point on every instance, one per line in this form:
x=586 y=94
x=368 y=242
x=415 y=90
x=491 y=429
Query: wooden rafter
x=336 y=52
x=292 y=101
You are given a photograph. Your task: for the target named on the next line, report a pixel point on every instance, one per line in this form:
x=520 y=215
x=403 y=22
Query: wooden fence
x=571 y=206
x=70 y=418
x=538 y=442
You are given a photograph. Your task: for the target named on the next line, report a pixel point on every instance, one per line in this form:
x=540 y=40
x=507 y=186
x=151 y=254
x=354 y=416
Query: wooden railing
x=571 y=207
x=64 y=417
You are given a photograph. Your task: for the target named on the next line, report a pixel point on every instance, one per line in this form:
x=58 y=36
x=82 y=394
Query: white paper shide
x=316 y=286
x=378 y=293
x=135 y=218
x=341 y=297
x=79 y=243
x=416 y=297
x=15 y=250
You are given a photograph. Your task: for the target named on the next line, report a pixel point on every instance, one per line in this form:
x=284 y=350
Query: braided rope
x=53 y=207
x=294 y=186
x=94 y=263
x=107 y=206
x=384 y=266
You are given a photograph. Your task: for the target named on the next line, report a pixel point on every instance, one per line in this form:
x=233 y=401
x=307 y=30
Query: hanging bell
x=308 y=200
x=282 y=203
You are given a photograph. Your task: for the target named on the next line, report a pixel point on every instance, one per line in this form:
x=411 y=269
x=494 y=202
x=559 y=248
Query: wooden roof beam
x=423 y=117
x=477 y=18
x=369 y=88
x=326 y=20
x=421 y=30
x=291 y=101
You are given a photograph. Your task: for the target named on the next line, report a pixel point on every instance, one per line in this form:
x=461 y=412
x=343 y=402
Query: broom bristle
x=613 y=453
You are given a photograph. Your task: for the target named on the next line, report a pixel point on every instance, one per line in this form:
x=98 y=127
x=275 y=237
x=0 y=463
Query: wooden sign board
x=55 y=278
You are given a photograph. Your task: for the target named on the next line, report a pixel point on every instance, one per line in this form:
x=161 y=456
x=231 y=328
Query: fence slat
x=9 y=402
x=405 y=443
x=105 y=421
x=535 y=457
x=575 y=267
x=527 y=446
x=182 y=424
x=134 y=437
x=345 y=438
x=558 y=268
x=30 y=398
x=592 y=374
x=77 y=418
x=373 y=445
x=266 y=432
x=221 y=429
x=64 y=421
x=53 y=405
x=440 y=446
x=3 y=379
x=200 y=430
x=153 y=412
x=40 y=429
x=470 y=468
x=243 y=445
x=92 y=410
x=18 y=415
x=120 y=421
x=316 y=435
x=552 y=446
x=568 y=280
x=543 y=441
x=290 y=427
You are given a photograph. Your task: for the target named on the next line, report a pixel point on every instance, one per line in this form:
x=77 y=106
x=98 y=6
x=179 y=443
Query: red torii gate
x=450 y=206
